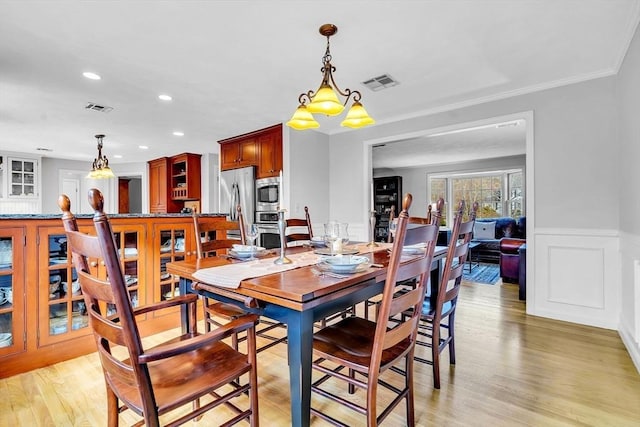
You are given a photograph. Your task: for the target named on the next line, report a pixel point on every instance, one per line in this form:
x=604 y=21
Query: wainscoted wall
x=630 y=320
x=576 y=276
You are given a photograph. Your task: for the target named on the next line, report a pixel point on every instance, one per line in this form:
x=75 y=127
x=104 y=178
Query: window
x=498 y=193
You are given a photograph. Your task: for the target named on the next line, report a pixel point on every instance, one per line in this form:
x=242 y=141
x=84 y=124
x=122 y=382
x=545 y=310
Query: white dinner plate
x=345 y=263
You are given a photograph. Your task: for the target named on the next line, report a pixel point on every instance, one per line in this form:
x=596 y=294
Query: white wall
x=576 y=193
x=628 y=99
x=306 y=157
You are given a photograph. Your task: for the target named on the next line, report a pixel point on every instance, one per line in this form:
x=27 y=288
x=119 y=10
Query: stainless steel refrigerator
x=237 y=186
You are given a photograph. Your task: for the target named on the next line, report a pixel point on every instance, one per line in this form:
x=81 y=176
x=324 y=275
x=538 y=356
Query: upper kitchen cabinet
x=261 y=148
x=185 y=177
x=270 y=152
x=237 y=154
x=159 y=184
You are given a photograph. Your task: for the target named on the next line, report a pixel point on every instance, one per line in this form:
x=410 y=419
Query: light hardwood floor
x=512 y=369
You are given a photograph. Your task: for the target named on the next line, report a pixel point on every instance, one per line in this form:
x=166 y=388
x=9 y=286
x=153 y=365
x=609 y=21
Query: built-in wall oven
x=267 y=195
x=267 y=204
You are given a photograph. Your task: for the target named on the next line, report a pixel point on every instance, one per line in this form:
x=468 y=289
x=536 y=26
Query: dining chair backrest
x=457 y=253
x=399 y=270
x=212 y=236
x=152 y=381
x=293 y=227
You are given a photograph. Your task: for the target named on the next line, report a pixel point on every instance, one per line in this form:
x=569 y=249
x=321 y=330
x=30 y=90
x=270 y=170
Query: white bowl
x=6 y=339
x=247 y=249
x=345 y=263
x=75 y=286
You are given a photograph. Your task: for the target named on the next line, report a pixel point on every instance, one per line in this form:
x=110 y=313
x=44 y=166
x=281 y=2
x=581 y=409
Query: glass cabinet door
x=64 y=313
x=175 y=244
x=128 y=240
x=22 y=178
x=12 y=327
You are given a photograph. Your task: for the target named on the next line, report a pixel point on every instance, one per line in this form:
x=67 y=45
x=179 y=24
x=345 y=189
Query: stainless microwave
x=267 y=194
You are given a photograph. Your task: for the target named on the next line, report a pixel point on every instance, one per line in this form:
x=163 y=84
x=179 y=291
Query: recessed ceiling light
x=178 y=133
x=92 y=76
x=143 y=147
x=165 y=97
x=117 y=156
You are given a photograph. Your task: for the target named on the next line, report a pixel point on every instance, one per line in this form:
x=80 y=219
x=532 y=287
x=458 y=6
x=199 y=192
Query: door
x=71 y=187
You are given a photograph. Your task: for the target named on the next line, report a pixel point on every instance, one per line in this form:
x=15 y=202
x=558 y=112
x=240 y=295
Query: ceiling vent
x=97 y=107
x=381 y=82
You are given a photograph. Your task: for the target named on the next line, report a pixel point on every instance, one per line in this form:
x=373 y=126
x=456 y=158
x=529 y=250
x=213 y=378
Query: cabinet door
x=62 y=312
x=270 y=154
x=12 y=307
x=248 y=152
x=175 y=243
x=23 y=178
x=158 y=186
x=229 y=154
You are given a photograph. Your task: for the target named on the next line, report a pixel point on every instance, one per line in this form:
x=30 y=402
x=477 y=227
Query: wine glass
x=251 y=235
x=344 y=234
x=331 y=234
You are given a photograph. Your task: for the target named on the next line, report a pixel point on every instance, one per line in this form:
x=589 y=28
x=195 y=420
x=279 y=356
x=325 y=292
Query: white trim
x=527 y=116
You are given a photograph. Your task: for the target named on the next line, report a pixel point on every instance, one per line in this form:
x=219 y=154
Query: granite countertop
x=130 y=215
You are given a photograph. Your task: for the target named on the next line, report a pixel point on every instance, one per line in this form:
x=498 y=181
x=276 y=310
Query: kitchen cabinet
x=23 y=178
x=387 y=192
x=172 y=181
x=12 y=322
x=185 y=177
x=270 y=152
x=64 y=315
x=237 y=154
x=43 y=317
x=261 y=148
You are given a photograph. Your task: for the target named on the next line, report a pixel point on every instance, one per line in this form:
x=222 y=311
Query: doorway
x=129 y=194
x=459 y=129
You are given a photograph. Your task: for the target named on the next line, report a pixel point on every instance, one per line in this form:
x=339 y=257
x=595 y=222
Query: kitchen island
x=42 y=312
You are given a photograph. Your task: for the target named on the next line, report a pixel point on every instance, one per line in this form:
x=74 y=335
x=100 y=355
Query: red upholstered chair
x=191 y=368
x=510 y=259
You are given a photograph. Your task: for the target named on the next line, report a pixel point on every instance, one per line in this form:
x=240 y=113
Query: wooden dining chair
x=153 y=381
x=212 y=239
x=293 y=228
x=437 y=326
x=367 y=349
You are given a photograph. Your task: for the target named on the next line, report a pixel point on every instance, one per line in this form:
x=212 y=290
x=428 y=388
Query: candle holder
x=282 y=259
x=372 y=230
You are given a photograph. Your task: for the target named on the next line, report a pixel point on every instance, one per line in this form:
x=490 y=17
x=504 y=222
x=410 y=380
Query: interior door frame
x=528 y=117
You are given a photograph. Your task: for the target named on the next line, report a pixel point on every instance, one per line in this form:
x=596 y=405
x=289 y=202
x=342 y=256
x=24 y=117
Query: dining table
x=298 y=298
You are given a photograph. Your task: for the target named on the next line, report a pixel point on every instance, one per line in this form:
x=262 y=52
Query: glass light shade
x=302 y=119
x=357 y=117
x=102 y=173
x=325 y=101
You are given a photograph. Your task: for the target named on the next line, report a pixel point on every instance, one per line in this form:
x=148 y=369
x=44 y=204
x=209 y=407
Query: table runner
x=230 y=275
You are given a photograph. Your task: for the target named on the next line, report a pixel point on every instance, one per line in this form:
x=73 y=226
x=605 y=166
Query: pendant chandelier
x=325 y=100
x=100 y=168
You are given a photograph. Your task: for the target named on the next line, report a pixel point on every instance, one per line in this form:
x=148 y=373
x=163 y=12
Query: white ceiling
x=236 y=66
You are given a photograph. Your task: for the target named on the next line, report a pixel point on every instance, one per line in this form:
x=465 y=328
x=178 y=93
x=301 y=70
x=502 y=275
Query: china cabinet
x=43 y=317
x=12 y=323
